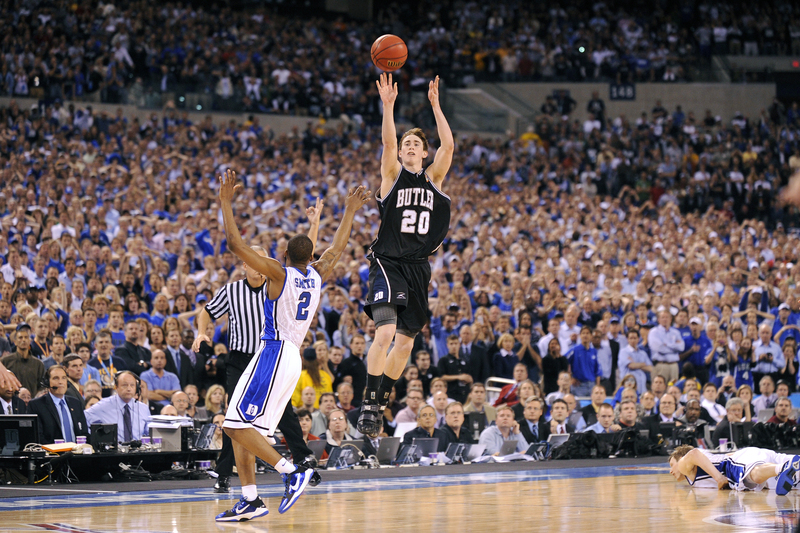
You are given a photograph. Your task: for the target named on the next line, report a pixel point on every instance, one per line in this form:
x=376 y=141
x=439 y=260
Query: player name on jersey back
x=289 y=317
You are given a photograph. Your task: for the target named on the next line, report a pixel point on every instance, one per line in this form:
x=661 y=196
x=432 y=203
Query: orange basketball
x=389 y=52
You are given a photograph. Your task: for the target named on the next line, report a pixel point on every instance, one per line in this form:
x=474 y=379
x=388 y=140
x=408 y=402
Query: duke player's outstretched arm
x=267 y=266
x=390 y=165
x=689 y=463
x=313 y=214
x=356 y=198
x=444 y=155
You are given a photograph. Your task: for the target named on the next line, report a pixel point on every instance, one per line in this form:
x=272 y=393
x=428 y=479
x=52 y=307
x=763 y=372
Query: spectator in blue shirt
x=682 y=324
x=605 y=421
x=161 y=384
x=696 y=349
x=783 y=327
x=441 y=328
x=586 y=371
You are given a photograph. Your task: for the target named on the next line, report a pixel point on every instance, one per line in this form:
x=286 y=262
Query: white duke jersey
x=288 y=317
x=703 y=480
x=736 y=467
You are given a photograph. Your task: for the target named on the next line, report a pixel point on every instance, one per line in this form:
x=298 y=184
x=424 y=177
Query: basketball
x=389 y=52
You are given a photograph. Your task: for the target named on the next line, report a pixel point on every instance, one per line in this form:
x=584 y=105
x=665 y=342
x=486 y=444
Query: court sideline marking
x=112 y=498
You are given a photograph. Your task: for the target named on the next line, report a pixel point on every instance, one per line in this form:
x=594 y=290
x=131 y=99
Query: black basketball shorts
x=403 y=284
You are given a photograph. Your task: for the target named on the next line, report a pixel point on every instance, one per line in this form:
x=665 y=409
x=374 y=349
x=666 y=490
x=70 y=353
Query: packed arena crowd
x=644 y=261
x=277 y=62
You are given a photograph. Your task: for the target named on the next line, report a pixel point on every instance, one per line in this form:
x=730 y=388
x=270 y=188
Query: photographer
x=727 y=390
x=690 y=425
x=721 y=359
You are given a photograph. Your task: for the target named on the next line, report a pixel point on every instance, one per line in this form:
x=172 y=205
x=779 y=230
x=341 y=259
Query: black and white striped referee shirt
x=245 y=308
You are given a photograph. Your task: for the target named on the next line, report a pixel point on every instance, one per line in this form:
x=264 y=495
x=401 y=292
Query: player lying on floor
x=745 y=469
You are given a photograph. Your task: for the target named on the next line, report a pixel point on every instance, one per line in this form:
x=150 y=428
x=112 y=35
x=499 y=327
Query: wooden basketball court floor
x=607 y=498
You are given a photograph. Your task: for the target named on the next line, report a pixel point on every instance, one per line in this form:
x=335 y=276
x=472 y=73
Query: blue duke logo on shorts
x=252 y=410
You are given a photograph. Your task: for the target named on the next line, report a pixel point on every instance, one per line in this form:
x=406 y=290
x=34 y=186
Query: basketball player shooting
x=415 y=218
x=267 y=384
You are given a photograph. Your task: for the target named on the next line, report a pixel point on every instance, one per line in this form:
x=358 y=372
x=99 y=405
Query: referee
x=243 y=301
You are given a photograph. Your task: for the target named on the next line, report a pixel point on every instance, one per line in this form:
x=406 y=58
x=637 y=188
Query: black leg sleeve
x=226 y=459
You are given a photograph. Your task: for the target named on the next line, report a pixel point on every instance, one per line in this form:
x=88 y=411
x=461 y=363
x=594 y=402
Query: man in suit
x=589 y=413
x=426 y=428
x=60 y=416
x=558 y=423
x=532 y=427
x=10 y=403
x=475 y=355
x=666 y=415
x=559 y=412
x=198 y=360
x=371 y=444
x=73 y=365
x=137 y=358
x=179 y=362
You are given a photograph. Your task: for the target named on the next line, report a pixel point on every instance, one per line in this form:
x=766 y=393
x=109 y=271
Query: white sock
x=250 y=492
x=284 y=467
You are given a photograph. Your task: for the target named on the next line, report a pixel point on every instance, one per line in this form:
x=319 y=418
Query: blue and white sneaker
x=296 y=483
x=243 y=510
x=786 y=477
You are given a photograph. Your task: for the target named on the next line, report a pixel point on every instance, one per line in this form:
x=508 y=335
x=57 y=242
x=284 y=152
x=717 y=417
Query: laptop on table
x=318 y=447
x=387 y=450
x=426 y=446
x=508 y=447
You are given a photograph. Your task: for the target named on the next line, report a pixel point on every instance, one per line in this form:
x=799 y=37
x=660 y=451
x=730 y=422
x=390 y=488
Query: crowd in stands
x=648 y=256
x=281 y=62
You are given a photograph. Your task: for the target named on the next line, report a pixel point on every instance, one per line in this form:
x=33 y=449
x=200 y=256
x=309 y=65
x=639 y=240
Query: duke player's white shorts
x=264 y=389
x=742 y=463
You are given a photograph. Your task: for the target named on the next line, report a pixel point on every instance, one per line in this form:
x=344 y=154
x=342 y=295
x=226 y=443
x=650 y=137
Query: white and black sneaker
x=243 y=510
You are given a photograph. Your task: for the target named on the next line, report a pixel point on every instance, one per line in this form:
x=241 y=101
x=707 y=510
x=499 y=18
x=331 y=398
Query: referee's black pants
x=289 y=426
